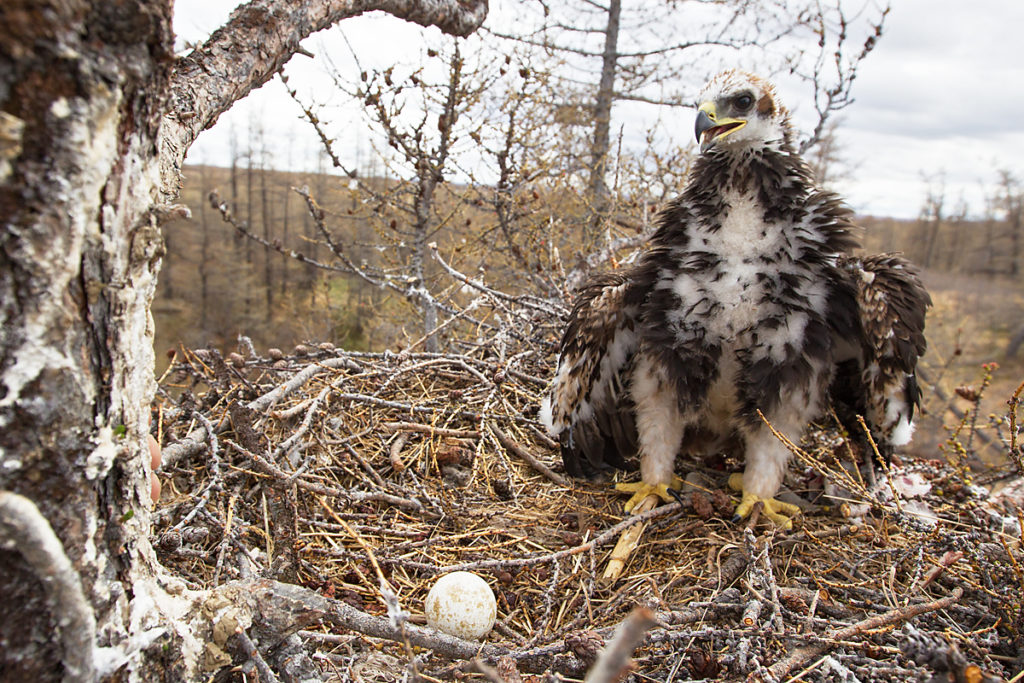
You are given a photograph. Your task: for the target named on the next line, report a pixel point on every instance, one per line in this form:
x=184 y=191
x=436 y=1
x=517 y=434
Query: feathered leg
x=760 y=481
x=767 y=456
x=659 y=429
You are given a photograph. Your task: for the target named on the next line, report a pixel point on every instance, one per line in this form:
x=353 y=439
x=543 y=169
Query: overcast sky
x=942 y=95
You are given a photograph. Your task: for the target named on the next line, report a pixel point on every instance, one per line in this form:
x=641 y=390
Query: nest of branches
x=366 y=476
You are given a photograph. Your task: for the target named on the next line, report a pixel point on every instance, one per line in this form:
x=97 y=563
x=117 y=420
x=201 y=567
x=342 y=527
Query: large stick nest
x=332 y=469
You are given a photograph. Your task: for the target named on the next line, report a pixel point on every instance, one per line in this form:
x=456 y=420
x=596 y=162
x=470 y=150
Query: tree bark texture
x=95 y=118
x=601 y=146
x=78 y=258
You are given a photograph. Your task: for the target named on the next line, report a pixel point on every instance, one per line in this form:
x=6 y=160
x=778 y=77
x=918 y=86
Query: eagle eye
x=743 y=102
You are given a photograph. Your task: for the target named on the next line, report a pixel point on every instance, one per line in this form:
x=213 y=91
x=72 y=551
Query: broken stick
x=628 y=541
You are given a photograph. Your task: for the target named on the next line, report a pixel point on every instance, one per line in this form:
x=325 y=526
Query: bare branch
x=526 y=301
x=290 y=606
x=510 y=444
x=24 y=529
x=258 y=39
x=613 y=662
x=830 y=99
x=781 y=668
x=266 y=674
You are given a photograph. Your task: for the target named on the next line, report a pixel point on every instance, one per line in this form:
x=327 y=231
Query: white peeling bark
x=81 y=250
x=85 y=98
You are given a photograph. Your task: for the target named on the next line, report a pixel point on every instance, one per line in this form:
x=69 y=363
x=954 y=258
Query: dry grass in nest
x=331 y=470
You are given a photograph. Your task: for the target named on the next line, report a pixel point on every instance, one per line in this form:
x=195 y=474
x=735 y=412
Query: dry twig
x=403 y=461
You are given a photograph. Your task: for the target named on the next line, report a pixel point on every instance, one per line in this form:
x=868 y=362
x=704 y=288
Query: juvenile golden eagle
x=747 y=299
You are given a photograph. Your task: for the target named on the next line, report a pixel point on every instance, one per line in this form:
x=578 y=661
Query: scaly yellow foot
x=640 y=490
x=775 y=510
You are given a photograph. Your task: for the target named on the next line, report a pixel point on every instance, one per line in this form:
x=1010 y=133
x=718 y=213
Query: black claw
x=678 y=495
x=736 y=519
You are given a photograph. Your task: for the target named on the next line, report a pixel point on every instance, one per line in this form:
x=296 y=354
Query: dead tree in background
x=958 y=225
x=250 y=218
x=601 y=147
x=97 y=114
x=205 y=261
x=267 y=222
x=285 y=284
x=521 y=213
x=672 y=48
x=408 y=213
x=931 y=218
x=826 y=157
x=1010 y=199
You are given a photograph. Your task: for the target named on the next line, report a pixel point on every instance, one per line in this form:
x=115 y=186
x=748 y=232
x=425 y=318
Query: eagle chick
x=747 y=302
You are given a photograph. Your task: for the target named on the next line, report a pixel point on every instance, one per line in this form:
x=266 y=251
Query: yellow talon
x=641 y=490
x=775 y=510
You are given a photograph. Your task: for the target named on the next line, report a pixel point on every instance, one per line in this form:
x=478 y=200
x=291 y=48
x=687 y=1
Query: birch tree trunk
x=82 y=87
x=95 y=118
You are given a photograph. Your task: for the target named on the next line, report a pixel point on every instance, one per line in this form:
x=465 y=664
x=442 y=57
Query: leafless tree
x=834 y=64
x=266 y=219
x=285 y=194
x=418 y=150
x=97 y=115
x=932 y=217
x=826 y=158
x=670 y=48
x=958 y=225
x=205 y=260
x=1010 y=200
x=523 y=134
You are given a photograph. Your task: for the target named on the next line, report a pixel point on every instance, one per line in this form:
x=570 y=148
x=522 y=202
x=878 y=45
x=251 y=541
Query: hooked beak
x=710 y=129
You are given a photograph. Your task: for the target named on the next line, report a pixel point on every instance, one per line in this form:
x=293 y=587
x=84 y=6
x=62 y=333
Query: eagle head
x=739 y=110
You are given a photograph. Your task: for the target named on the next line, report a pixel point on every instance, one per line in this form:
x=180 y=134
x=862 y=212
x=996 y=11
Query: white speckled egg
x=461 y=604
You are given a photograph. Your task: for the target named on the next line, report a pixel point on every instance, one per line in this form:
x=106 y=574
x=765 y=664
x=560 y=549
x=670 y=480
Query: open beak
x=710 y=129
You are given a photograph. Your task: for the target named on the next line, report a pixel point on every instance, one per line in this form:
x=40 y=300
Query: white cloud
x=942 y=92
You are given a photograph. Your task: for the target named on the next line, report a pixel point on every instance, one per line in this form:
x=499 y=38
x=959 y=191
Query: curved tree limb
x=256 y=41
x=285 y=608
x=23 y=527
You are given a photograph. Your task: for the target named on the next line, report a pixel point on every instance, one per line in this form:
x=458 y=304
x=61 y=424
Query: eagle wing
x=589 y=409
x=891 y=304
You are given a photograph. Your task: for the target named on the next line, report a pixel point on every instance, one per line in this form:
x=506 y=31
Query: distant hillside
x=217 y=284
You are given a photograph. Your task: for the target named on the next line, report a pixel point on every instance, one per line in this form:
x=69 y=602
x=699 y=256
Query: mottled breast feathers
x=746 y=305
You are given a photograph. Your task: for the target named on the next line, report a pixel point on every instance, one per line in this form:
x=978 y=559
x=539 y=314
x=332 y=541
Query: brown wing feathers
x=591 y=410
x=892 y=303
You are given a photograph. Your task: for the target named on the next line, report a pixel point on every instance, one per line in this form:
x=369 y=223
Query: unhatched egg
x=461 y=604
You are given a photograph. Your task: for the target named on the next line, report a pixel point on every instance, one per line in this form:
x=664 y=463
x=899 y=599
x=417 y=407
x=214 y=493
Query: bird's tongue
x=718 y=130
